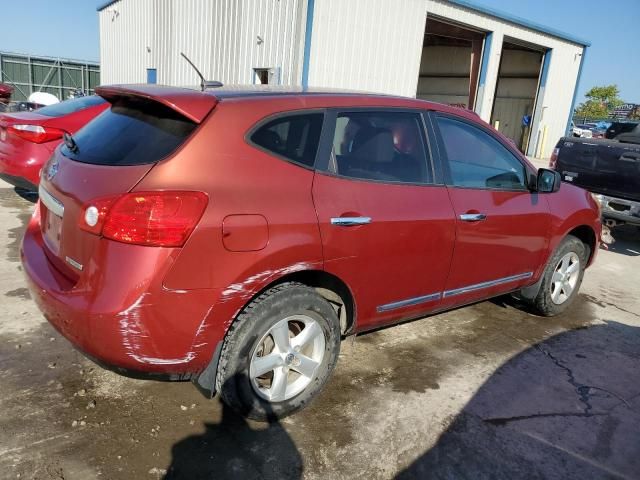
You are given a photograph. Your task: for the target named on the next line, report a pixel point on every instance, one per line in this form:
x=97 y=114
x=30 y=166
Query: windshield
x=70 y=106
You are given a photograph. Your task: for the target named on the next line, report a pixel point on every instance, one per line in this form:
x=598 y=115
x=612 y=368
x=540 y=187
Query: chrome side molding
x=450 y=293
x=491 y=283
x=350 y=221
x=54 y=205
x=408 y=302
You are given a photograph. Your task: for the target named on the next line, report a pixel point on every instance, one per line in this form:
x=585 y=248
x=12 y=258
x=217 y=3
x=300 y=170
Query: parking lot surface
x=486 y=391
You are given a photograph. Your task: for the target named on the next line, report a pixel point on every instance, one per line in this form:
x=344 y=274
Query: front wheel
x=279 y=352
x=562 y=277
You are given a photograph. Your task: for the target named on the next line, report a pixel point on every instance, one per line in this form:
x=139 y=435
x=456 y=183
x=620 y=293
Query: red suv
x=27 y=139
x=233 y=237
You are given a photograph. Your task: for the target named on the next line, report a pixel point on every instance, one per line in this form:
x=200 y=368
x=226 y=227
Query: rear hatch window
x=132 y=132
x=71 y=106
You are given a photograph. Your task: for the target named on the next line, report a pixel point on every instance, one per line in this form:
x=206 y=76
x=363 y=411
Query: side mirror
x=548 y=181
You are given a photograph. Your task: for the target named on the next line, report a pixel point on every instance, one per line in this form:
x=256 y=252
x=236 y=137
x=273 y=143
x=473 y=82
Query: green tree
x=600 y=102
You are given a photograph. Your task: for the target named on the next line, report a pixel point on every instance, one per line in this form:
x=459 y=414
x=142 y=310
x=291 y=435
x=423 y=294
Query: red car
x=233 y=237
x=27 y=139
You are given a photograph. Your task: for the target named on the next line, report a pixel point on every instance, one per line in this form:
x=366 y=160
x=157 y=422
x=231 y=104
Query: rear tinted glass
x=294 y=137
x=70 y=106
x=130 y=133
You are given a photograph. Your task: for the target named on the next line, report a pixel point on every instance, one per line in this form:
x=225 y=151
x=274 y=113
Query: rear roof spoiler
x=192 y=104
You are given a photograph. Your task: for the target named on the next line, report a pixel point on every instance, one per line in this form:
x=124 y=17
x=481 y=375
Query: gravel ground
x=486 y=391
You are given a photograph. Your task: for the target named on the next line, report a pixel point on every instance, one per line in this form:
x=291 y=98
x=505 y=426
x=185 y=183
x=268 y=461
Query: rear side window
x=294 y=137
x=130 y=133
x=71 y=106
x=382 y=146
x=477 y=160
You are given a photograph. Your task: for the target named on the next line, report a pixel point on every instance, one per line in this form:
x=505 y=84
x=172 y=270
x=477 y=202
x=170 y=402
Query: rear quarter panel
x=246 y=183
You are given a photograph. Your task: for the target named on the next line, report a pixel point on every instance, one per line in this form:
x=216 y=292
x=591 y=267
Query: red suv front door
x=501 y=226
x=387 y=227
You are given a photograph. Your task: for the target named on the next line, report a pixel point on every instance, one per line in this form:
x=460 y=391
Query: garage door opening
x=450 y=64
x=516 y=90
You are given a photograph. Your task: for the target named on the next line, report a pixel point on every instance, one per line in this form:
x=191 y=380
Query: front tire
x=279 y=352
x=562 y=277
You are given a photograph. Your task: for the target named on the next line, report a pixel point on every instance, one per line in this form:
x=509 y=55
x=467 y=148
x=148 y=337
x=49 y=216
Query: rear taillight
x=36 y=133
x=554 y=158
x=161 y=219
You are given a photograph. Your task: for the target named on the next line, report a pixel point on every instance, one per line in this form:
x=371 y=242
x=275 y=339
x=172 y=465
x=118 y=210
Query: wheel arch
x=330 y=287
x=586 y=235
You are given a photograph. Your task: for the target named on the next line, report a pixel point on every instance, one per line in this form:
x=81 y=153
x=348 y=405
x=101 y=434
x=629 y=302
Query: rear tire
x=269 y=367
x=562 y=277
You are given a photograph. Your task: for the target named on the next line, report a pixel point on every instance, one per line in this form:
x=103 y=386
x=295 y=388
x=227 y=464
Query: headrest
x=374 y=145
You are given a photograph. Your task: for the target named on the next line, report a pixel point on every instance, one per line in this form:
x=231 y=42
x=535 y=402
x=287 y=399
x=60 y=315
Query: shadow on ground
x=28 y=195
x=233 y=449
x=564 y=408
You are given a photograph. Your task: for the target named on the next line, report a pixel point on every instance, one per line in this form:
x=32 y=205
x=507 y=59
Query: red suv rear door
x=501 y=226
x=386 y=222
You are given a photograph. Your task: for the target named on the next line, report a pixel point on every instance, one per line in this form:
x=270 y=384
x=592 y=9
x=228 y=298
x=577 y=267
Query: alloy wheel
x=565 y=277
x=285 y=360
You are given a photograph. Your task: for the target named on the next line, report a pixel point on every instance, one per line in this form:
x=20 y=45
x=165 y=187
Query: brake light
x=554 y=158
x=35 y=133
x=161 y=219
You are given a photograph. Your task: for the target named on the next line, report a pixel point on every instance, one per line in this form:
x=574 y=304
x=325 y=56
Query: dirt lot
x=486 y=391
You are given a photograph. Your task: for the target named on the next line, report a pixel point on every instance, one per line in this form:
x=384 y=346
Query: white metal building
x=519 y=76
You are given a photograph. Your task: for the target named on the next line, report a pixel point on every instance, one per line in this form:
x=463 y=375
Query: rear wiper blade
x=70 y=142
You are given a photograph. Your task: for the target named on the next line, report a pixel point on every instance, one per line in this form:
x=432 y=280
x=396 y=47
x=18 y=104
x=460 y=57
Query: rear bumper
x=25 y=162
x=119 y=314
x=619 y=209
x=19 y=182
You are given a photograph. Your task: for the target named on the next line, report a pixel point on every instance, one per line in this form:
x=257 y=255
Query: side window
x=294 y=137
x=477 y=160
x=384 y=146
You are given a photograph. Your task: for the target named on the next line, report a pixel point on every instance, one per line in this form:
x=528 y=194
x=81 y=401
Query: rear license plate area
x=52 y=230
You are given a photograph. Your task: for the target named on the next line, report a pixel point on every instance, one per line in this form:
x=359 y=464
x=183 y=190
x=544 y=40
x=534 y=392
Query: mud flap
x=205 y=382
x=530 y=292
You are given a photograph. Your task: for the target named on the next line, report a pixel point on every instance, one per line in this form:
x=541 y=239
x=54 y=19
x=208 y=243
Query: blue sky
x=70 y=29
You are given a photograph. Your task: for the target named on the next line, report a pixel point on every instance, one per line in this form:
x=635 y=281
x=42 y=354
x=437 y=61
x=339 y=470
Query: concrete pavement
x=486 y=391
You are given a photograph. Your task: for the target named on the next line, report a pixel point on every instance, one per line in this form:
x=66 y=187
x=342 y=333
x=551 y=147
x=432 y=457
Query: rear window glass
x=70 y=106
x=130 y=133
x=294 y=137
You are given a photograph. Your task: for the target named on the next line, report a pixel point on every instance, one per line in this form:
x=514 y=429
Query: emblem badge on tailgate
x=53 y=169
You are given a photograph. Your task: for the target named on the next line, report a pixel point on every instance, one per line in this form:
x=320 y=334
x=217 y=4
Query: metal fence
x=58 y=76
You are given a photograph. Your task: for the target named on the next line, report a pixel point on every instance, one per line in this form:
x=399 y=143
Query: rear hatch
x=601 y=166
x=107 y=158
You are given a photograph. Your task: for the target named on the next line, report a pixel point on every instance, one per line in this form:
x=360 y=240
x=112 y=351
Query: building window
x=266 y=76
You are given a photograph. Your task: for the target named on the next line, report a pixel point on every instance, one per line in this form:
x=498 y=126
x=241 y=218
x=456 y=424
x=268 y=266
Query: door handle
x=472 y=217
x=350 y=221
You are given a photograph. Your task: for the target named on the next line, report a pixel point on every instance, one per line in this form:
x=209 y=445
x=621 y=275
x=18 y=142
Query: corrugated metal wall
x=126 y=35
x=371 y=45
x=226 y=39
